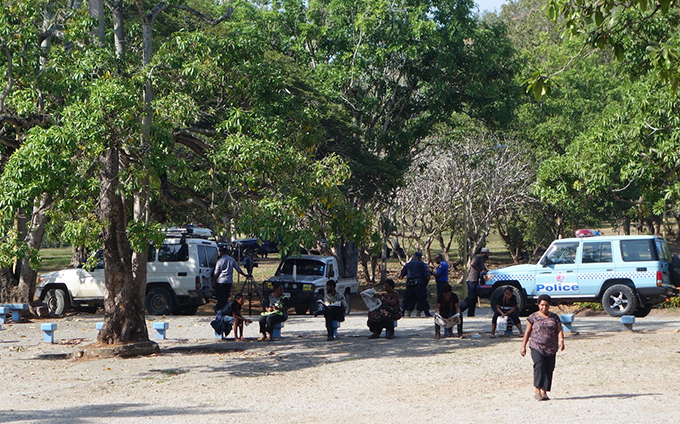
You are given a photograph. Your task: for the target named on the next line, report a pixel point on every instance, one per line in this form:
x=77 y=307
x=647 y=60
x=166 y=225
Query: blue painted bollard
x=99 y=326
x=48 y=330
x=160 y=328
x=276 y=330
x=336 y=325
x=16 y=309
x=4 y=310
x=628 y=321
x=567 y=321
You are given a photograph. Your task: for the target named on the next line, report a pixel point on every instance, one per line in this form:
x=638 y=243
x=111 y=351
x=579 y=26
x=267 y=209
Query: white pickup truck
x=179 y=277
x=304 y=279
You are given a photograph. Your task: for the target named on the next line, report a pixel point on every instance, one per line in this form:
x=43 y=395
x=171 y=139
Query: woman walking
x=545 y=336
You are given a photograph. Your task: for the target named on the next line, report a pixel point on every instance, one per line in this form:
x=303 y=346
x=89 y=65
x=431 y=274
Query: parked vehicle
x=627 y=274
x=304 y=279
x=179 y=277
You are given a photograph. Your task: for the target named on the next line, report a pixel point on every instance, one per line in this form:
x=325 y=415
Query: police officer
x=417 y=273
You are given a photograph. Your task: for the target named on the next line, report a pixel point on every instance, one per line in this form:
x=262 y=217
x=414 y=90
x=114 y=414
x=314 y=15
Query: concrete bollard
x=49 y=330
x=99 y=326
x=4 y=310
x=160 y=328
x=628 y=321
x=567 y=321
x=335 y=325
x=276 y=330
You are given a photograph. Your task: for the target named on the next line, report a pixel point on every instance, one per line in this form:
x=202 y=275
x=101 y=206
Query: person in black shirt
x=448 y=306
x=506 y=306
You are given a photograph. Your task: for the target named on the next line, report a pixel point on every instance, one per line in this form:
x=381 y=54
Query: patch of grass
x=54 y=259
x=594 y=306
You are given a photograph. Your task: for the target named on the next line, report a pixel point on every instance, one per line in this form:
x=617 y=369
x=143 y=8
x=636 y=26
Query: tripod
x=249 y=288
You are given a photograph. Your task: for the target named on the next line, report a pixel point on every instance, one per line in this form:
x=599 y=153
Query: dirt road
x=606 y=374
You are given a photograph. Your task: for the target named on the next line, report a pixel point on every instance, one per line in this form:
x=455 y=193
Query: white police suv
x=628 y=274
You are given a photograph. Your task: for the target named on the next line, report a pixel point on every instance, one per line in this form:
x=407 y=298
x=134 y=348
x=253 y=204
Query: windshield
x=560 y=253
x=304 y=267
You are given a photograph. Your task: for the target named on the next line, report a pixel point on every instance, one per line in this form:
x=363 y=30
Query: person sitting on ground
x=388 y=312
x=448 y=306
x=506 y=306
x=275 y=312
x=230 y=316
x=332 y=308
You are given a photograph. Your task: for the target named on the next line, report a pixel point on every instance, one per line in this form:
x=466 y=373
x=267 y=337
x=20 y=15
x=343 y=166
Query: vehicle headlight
x=293 y=286
x=268 y=285
x=308 y=287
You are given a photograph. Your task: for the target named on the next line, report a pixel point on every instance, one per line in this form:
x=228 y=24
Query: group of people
x=543 y=334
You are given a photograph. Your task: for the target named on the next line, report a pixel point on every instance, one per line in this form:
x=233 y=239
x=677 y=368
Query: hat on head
x=224 y=248
x=485 y=250
x=419 y=254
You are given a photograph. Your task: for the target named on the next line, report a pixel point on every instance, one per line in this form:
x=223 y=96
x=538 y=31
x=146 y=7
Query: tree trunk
x=124 y=299
x=118 y=28
x=347 y=254
x=96 y=9
x=33 y=239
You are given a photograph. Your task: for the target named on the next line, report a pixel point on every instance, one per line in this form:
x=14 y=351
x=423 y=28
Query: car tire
x=55 y=299
x=619 y=300
x=643 y=311
x=301 y=309
x=497 y=295
x=158 y=301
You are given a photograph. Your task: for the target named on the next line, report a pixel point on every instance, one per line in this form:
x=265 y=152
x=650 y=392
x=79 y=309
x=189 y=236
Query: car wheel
x=348 y=301
x=301 y=309
x=643 y=311
x=497 y=295
x=56 y=302
x=619 y=300
x=158 y=301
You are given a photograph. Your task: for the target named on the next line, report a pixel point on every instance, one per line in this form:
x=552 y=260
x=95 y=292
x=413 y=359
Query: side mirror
x=544 y=262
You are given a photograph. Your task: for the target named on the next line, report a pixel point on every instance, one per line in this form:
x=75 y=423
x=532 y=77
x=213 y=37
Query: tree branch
x=205 y=18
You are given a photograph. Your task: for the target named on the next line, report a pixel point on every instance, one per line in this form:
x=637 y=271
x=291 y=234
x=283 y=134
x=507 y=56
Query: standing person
x=545 y=336
x=417 y=273
x=332 y=308
x=441 y=274
x=447 y=306
x=388 y=312
x=223 y=277
x=275 y=312
x=477 y=266
x=506 y=307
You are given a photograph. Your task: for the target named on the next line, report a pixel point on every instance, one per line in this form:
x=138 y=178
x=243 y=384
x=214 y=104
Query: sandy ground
x=606 y=374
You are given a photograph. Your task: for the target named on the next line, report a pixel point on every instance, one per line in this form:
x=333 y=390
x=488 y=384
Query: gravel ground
x=606 y=374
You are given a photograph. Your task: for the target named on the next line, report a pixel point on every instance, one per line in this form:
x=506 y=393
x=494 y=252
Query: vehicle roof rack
x=189 y=231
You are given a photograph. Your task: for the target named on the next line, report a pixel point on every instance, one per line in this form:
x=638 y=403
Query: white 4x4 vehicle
x=179 y=277
x=628 y=274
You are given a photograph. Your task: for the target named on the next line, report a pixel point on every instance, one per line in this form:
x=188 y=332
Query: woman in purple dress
x=545 y=336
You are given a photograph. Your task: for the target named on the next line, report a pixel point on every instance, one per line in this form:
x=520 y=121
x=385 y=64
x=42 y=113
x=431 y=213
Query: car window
x=596 y=252
x=638 y=250
x=211 y=252
x=151 y=255
x=173 y=253
x=304 y=267
x=561 y=253
x=663 y=250
x=202 y=257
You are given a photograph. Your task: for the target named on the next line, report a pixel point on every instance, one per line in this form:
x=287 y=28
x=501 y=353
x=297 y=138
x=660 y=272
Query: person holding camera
x=223 y=277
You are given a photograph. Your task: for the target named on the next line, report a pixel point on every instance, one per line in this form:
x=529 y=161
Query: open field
x=606 y=374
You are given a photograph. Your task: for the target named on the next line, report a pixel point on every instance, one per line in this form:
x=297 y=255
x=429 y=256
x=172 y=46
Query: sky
x=490 y=5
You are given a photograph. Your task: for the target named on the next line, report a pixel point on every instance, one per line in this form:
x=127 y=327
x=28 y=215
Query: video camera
x=249 y=263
